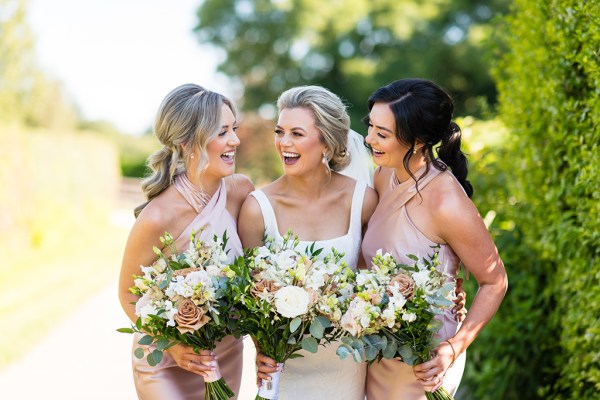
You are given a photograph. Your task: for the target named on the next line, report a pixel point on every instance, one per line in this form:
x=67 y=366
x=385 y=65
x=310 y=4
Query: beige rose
x=405 y=284
x=190 y=317
x=262 y=285
x=184 y=272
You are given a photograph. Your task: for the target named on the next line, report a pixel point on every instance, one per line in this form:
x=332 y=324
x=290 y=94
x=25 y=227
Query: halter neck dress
x=322 y=375
x=167 y=380
x=392 y=230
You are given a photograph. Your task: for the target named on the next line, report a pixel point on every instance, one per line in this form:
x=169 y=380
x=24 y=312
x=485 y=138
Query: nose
x=369 y=139
x=234 y=140
x=285 y=140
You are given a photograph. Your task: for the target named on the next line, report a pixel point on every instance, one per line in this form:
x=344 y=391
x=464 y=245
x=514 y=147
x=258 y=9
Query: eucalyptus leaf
x=310 y=344
x=357 y=355
x=294 y=324
x=151 y=361
x=343 y=352
x=291 y=340
x=157 y=355
x=316 y=329
x=324 y=321
x=407 y=355
x=139 y=353
x=146 y=340
x=162 y=344
x=390 y=350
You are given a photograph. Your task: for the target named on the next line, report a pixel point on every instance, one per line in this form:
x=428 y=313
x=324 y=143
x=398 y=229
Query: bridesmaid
x=320 y=205
x=192 y=186
x=424 y=202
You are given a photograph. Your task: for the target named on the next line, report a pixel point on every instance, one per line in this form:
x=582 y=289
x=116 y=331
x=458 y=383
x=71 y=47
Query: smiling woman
x=193 y=188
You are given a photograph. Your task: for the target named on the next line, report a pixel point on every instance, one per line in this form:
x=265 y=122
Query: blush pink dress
x=392 y=230
x=167 y=380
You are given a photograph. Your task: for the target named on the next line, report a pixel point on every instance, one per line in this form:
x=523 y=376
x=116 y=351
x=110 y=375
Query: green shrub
x=545 y=341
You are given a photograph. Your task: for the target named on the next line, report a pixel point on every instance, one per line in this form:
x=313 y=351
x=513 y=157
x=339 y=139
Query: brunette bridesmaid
x=424 y=203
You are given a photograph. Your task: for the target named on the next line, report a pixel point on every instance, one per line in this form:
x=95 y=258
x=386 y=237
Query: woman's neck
x=416 y=163
x=307 y=186
x=207 y=184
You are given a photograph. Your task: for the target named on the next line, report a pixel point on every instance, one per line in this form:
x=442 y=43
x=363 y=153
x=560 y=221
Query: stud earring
x=415 y=151
x=325 y=161
x=192 y=156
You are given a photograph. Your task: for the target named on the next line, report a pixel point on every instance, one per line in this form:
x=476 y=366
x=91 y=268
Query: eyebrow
x=383 y=128
x=294 y=128
x=227 y=126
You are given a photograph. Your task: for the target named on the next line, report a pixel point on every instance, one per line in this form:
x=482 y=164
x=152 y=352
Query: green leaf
x=310 y=344
x=163 y=344
x=157 y=355
x=295 y=355
x=407 y=355
x=291 y=340
x=138 y=324
x=390 y=350
x=125 y=330
x=151 y=361
x=316 y=329
x=146 y=340
x=139 y=353
x=343 y=352
x=294 y=324
x=324 y=321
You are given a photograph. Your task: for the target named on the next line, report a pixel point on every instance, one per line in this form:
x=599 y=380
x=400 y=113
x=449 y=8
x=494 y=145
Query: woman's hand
x=431 y=374
x=264 y=366
x=197 y=363
x=461 y=301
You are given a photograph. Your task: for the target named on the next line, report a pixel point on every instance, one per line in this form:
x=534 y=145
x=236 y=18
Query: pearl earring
x=414 y=151
x=325 y=158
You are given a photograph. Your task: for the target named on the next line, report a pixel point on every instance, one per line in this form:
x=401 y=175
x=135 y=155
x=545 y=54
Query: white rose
x=421 y=278
x=291 y=301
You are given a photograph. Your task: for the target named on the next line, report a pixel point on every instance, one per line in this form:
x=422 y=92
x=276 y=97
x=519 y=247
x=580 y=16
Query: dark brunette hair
x=423 y=113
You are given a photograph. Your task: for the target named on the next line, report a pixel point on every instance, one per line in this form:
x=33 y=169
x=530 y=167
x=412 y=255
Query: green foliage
x=27 y=95
x=352 y=47
x=544 y=341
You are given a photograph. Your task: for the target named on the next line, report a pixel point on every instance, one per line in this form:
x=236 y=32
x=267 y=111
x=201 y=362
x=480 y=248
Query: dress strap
x=402 y=192
x=357 y=205
x=269 y=218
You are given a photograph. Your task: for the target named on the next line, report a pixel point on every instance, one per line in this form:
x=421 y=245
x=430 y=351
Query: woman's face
x=221 y=149
x=298 y=142
x=387 y=150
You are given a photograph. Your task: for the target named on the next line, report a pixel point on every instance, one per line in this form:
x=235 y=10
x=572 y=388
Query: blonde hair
x=331 y=119
x=189 y=117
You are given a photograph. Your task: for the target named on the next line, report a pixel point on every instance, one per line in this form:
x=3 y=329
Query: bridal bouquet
x=183 y=300
x=289 y=300
x=392 y=313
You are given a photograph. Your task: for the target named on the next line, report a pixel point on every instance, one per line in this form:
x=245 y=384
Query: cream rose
x=405 y=285
x=190 y=317
x=291 y=301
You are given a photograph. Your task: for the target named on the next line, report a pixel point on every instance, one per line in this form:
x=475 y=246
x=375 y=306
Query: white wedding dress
x=323 y=375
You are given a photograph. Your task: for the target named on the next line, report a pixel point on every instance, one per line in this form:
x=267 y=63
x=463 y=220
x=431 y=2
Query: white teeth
x=377 y=151
x=229 y=154
x=290 y=155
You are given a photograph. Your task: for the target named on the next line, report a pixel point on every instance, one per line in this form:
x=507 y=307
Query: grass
x=43 y=286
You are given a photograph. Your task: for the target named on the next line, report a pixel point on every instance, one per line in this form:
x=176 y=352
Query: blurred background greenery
x=526 y=79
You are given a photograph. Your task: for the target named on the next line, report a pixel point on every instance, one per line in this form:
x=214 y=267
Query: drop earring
x=325 y=161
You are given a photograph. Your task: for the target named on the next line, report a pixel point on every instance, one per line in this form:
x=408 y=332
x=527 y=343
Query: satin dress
x=323 y=375
x=392 y=230
x=167 y=380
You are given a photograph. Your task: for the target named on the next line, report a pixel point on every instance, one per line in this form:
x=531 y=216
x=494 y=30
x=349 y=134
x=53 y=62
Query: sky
x=119 y=58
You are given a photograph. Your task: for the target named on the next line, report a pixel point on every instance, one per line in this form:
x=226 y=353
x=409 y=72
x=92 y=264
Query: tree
x=27 y=95
x=352 y=47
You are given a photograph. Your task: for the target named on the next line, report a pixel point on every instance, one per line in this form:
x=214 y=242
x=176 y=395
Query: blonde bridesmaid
x=192 y=186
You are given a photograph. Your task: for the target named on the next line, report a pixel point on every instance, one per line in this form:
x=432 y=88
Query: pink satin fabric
x=391 y=229
x=167 y=380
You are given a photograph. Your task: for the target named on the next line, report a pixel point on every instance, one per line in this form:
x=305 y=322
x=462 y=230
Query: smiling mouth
x=377 y=152
x=228 y=157
x=290 y=158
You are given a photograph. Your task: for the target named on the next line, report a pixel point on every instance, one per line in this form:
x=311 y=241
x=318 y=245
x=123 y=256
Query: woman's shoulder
x=446 y=197
x=238 y=187
x=162 y=213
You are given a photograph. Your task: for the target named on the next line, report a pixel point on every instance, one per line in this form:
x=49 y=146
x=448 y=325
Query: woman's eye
x=278 y=132
x=222 y=133
x=381 y=135
x=297 y=133
x=235 y=128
